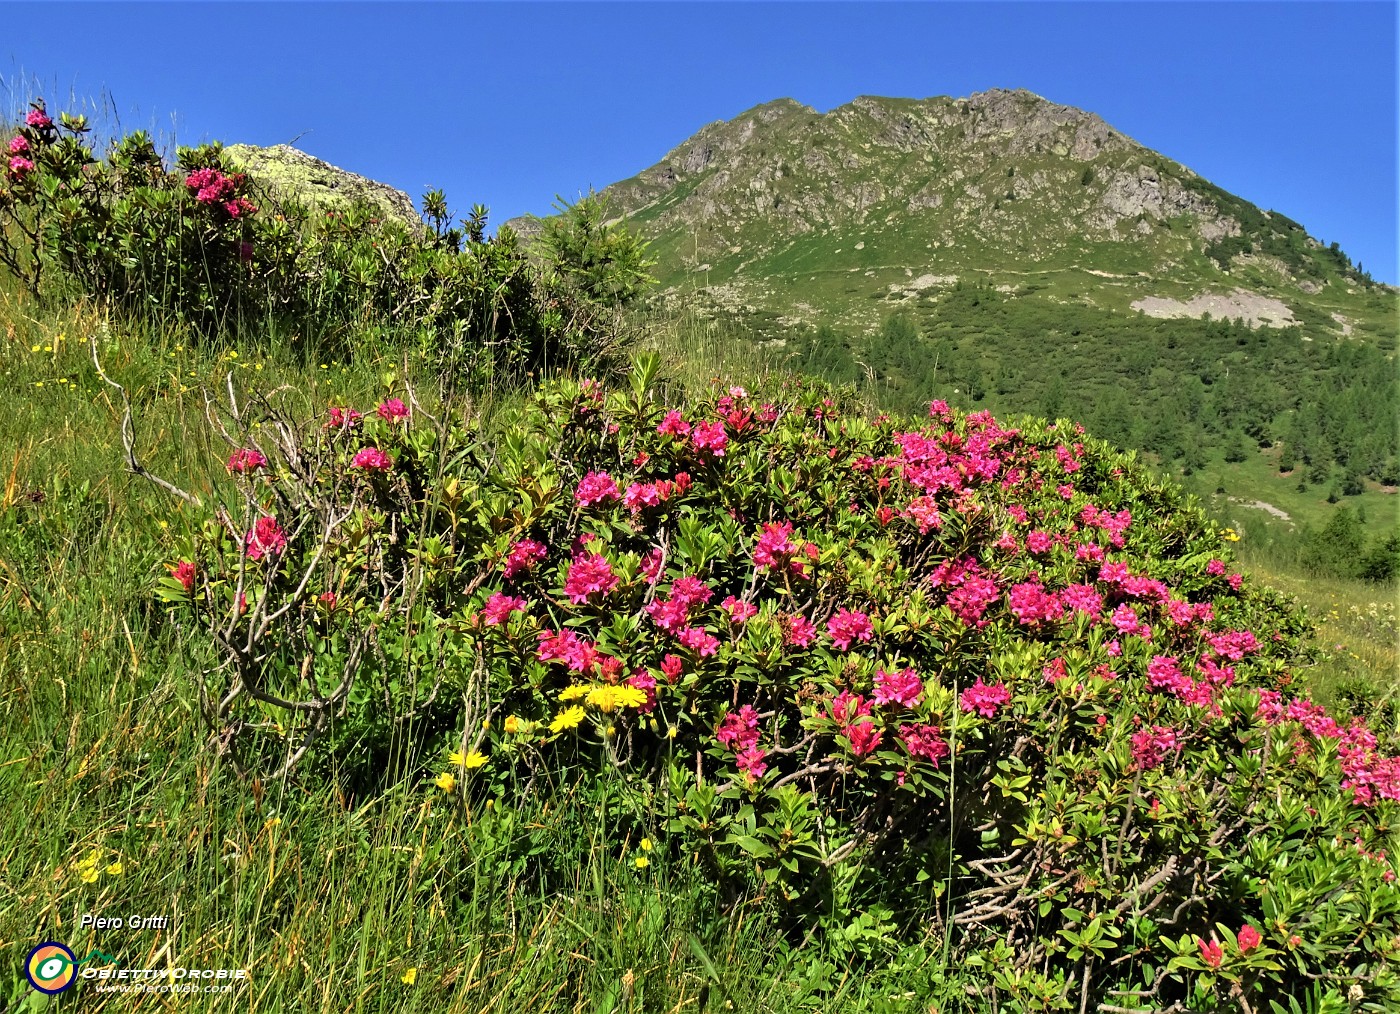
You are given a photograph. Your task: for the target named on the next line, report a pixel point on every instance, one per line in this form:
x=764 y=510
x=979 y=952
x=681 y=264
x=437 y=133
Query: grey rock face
x=292 y=173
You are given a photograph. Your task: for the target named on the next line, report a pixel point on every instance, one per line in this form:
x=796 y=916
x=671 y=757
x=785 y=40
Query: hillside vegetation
x=577 y=659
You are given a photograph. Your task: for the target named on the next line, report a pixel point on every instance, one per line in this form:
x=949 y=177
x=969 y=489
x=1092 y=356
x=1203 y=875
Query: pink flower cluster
x=710 y=437
x=184 y=573
x=499 y=607
x=594 y=488
x=246 y=460
x=903 y=688
x=738 y=731
x=972 y=589
x=212 y=187
x=1031 y=604
x=1152 y=744
x=19 y=166
x=739 y=611
x=775 y=549
x=590 y=575
x=984 y=699
x=393 y=411
x=924 y=741
x=343 y=418
x=523 y=556
x=38 y=119
x=372 y=459
x=847 y=626
x=266 y=538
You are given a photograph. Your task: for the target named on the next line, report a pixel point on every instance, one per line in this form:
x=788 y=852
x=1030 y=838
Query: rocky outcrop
x=291 y=173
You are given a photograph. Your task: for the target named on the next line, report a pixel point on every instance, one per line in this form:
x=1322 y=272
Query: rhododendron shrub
x=200 y=242
x=989 y=681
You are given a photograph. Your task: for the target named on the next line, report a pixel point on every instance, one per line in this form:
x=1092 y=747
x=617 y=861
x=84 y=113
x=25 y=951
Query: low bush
x=986 y=692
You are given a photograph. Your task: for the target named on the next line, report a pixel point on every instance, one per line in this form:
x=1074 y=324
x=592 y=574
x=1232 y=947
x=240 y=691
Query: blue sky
x=1290 y=105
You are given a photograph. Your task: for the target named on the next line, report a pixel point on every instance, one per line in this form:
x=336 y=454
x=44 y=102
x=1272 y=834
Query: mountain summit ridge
x=839 y=214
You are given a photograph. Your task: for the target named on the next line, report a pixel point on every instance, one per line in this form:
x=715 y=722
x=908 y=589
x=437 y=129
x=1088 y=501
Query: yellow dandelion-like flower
x=646 y=844
x=35 y=348
x=512 y=725
x=456 y=758
x=115 y=869
x=486 y=723
x=573 y=693
x=474 y=759
x=410 y=976
x=569 y=718
x=445 y=782
x=609 y=698
x=642 y=862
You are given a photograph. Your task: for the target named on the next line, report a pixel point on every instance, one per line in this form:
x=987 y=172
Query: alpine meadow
x=934 y=555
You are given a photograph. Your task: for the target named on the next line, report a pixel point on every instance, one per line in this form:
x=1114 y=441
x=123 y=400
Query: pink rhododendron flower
x=710 y=437
x=1248 y=938
x=750 y=761
x=847 y=626
x=1215 y=568
x=698 y=641
x=523 y=556
x=1151 y=746
x=774 y=548
x=903 y=688
x=589 y=575
x=1038 y=542
x=645 y=682
x=18 y=145
x=864 y=738
x=393 y=411
x=668 y=614
x=1055 y=671
x=738 y=730
x=846 y=707
x=19 y=165
x=596 y=487
x=38 y=118
x=372 y=459
x=245 y=460
x=1235 y=581
x=739 y=610
x=1233 y=644
x=924 y=741
x=265 y=539
x=343 y=418
x=984 y=699
x=499 y=607
x=671 y=667
x=798 y=631
x=1031 y=604
x=674 y=425
x=327 y=599
x=565 y=646
x=1082 y=598
x=923 y=511
x=691 y=591
x=641 y=495
x=1211 y=953
x=184 y=573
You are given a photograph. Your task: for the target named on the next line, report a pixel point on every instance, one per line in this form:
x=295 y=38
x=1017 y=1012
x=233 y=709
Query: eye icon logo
x=51 y=968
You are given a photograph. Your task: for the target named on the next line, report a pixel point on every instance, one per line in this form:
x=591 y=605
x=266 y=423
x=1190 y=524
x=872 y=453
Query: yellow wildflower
x=456 y=758
x=608 y=698
x=446 y=782
x=642 y=862
x=35 y=348
x=567 y=719
x=115 y=869
x=573 y=693
x=87 y=867
x=409 y=976
x=646 y=844
x=512 y=725
x=474 y=760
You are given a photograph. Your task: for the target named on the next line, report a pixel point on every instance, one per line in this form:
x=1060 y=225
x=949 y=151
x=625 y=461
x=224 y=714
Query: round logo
x=51 y=968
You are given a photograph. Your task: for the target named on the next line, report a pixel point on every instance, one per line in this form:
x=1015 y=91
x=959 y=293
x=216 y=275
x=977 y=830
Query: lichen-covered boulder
x=289 y=172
